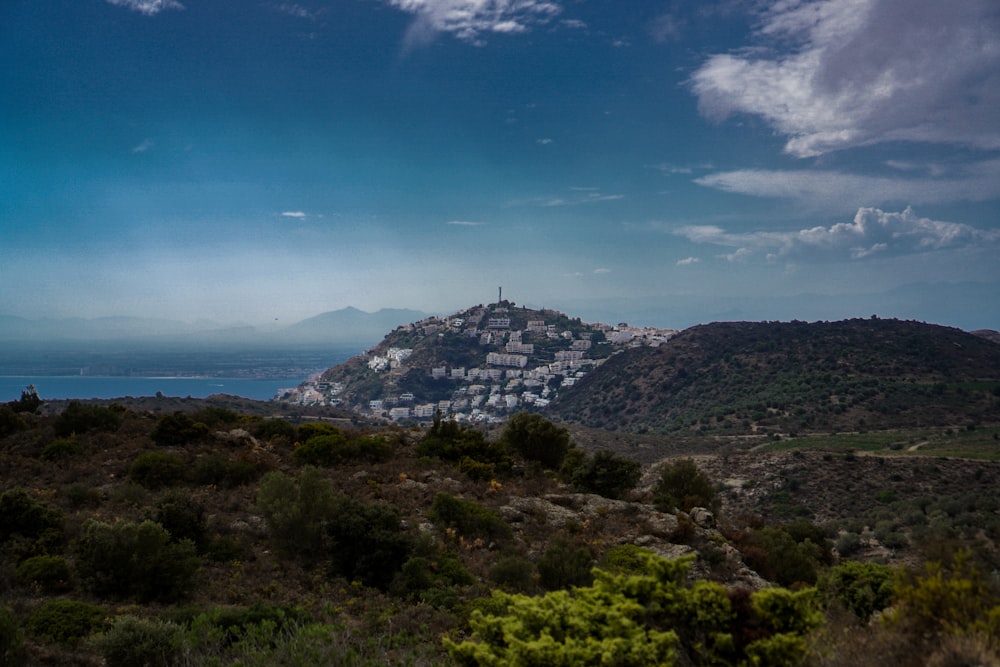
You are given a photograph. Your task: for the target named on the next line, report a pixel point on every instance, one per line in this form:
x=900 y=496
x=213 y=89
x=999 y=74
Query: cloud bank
x=873 y=232
x=147 y=7
x=469 y=20
x=863 y=72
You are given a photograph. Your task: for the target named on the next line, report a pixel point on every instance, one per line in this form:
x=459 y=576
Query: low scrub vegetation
x=261 y=541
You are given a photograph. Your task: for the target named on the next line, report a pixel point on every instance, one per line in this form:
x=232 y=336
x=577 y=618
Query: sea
x=84 y=387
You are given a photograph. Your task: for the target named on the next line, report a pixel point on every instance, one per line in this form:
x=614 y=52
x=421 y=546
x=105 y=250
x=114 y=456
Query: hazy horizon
x=675 y=163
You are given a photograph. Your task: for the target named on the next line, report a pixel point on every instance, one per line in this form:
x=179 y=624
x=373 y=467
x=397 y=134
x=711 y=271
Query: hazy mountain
x=348 y=325
x=345 y=326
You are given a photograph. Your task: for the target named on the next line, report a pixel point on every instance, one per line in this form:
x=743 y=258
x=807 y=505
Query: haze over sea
x=84 y=387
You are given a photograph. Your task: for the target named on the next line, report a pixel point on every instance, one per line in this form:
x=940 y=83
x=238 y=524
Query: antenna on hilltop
x=499 y=295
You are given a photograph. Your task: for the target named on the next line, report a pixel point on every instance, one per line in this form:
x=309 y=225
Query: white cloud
x=602 y=271
x=871 y=232
x=293 y=214
x=147 y=7
x=688 y=261
x=297 y=10
x=143 y=146
x=975 y=182
x=863 y=72
x=470 y=19
x=545 y=141
x=464 y=223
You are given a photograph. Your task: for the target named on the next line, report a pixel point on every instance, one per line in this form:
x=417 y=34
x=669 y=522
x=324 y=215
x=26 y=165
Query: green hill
x=794 y=377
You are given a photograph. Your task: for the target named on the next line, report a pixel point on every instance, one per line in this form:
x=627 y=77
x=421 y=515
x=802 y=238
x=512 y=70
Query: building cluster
x=520 y=370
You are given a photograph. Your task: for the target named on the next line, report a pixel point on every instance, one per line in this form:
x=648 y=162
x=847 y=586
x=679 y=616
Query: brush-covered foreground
x=209 y=537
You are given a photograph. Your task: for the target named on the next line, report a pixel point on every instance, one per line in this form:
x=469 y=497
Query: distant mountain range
x=340 y=327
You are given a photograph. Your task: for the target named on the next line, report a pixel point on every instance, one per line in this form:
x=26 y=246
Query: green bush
x=325 y=450
x=861 y=588
x=682 y=486
x=312 y=429
x=537 y=439
x=432 y=575
x=24 y=518
x=513 y=574
x=656 y=618
x=269 y=429
x=80 y=418
x=368 y=541
x=64 y=621
x=297 y=511
x=58 y=450
x=177 y=429
x=564 y=565
x=29 y=401
x=136 y=642
x=625 y=559
x=216 y=468
x=10 y=422
x=49 y=573
x=372 y=448
x=450 y=441
x=154 y=470
x=606 y=474
x=129 y=559
x=184 y=518
x=11 y=639
x=467 y=518
x=776 y=556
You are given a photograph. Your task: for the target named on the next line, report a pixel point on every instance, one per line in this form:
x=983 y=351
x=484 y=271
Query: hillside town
x=521 y=359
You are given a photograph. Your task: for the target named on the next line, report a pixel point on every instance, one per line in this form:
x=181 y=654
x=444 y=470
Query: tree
x=537 y=439
x=607 y=474
x=683 y=486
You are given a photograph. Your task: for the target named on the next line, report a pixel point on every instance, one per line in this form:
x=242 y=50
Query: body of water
x=83 y=387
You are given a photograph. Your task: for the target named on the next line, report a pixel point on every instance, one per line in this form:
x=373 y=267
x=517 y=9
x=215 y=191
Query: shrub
x=136 y=642
x=80 y=418
x=154 y=470
x=177 y=429
x=10 y=422
x=368 y=541
x=467 y=518
x=184 y=518
x=23 y=516
x=432 y=575
x=513 y=573
x=127 y=558
x=58 y=450
x=312 y=429
x=216 y=468
x=372 y=448
x=450 y=441
x=658 y=617
x=64 y=621
x=269 y=429
x=11 y=639
x=778 y=557
x=537 y=439
x=564 y=565
x=49 y=573
x=625 y=559
x=325 y=450
x=29 y=401
x=861 y=588
x=297 y=511
x=682 y=486
x=607 y=474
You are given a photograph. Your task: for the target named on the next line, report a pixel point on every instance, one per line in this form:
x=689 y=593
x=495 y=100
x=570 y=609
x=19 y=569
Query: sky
x=662 y=163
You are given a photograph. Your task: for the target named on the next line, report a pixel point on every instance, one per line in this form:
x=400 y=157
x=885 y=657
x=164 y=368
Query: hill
x=479 y=364
x=795 y=377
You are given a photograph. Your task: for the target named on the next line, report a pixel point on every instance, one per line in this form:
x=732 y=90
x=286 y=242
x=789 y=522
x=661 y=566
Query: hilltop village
x=477 y=365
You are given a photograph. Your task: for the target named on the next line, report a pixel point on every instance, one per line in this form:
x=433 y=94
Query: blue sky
x=658 y=162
